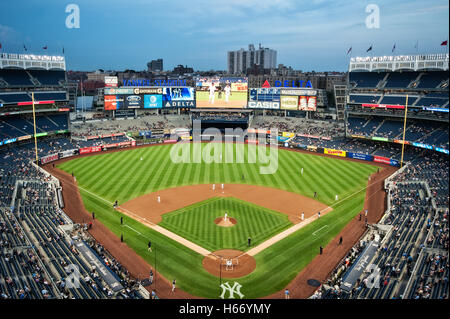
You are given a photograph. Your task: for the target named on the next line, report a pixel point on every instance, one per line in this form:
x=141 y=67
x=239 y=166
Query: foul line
x=314 y=234
x=205 y=252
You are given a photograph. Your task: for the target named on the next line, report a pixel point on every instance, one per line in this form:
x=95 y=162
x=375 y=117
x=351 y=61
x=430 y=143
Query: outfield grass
x=104 y=178
x=196 y=223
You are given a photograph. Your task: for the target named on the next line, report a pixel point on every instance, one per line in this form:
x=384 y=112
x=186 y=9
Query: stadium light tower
x=34 y=125
x=404 y=131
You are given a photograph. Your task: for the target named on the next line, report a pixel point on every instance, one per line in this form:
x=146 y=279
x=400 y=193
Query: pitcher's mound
x=241 y=263
x=225 y=223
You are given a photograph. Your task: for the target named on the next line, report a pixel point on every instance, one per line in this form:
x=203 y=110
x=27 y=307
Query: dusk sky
x=308 y=35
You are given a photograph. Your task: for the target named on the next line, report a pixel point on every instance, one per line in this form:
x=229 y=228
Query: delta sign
x=289 y=84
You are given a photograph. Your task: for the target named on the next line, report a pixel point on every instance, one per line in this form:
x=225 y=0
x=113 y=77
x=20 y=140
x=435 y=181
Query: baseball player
x=227 y=93
x=212 y=90
x=159 y=199
x=303 y=216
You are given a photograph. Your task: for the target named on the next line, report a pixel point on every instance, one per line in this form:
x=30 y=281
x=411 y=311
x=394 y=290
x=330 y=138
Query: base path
x=291 y=204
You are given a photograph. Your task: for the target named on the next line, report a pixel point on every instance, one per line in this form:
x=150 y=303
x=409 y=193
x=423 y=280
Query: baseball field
x=236 y=100
x=183 y=225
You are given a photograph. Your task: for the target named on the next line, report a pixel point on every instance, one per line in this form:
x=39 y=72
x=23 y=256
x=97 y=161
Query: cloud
x=7 y=33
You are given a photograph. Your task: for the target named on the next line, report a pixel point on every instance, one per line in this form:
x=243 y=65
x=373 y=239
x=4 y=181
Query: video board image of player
x=178 y=94
x=221 y=92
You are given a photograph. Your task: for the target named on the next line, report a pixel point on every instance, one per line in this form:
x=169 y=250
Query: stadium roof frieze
x=400 y=62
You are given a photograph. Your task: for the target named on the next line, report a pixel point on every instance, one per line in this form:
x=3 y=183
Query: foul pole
x=34 y=124
x=404 y=131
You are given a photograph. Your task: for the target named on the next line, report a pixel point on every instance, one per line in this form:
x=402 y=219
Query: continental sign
x=138 y=91
x=330 y=151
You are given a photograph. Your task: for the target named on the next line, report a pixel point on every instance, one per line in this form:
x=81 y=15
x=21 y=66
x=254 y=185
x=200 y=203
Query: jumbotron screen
x=221 y=92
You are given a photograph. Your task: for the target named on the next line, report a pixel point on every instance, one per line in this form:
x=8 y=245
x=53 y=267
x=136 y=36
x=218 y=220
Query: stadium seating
x=366 y=79
x=400 y=79
x=412 y=260
x=432 y=80
x=15 y=77
x=48 y=78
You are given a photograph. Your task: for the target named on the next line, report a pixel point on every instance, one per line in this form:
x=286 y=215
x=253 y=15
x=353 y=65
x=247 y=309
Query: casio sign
x=263 y=105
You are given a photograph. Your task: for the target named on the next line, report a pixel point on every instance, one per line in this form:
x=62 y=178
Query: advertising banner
x=384 y=106
x=360 y=156
x=263 y=105
x=302 y=103
x=330 y=151
x=264 y=95
x=111 y=81
x=401 y=142
x=442 y=150
x=381 y=159
x=138 y=91
x=239 y=87
x=41 y=134
x=152 y=101
x=435 y=109
x=113 y=102
x=26 y=137
x=311 y=148
x=288 y=134
x=134 y=102
x=115 y=91
x=357 y=136
x=289 y=103
x=179 y=104
x=35 y=102
x=383 y=139
x=312 y=103
x=11 y=140
x=298 y=92
x=49 y=158
x=68 y=153
x=112 y=145
x=422 y=145
x=91 y=149
x=394 y=162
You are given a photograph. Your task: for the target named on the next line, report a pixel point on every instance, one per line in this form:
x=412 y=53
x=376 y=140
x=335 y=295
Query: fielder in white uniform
x=212 y=90
x=227 y=93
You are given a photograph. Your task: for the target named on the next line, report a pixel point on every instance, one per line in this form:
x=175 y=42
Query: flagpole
x=34 y=123
x=404 y=131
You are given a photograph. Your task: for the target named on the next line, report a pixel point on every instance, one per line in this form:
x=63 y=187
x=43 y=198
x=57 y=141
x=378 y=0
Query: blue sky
x=308 y=35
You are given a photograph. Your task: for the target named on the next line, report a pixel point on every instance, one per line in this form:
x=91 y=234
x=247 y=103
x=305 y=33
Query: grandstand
x=382 y=87
x=38 y=240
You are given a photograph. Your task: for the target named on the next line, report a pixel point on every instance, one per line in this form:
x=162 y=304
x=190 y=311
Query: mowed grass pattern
x=196 y=223
x=123 y=176
x=104 y=178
